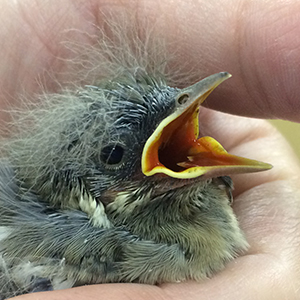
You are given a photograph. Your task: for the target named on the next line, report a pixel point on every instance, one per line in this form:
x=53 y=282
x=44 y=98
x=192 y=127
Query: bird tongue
x=174 y=148
x=208 y=156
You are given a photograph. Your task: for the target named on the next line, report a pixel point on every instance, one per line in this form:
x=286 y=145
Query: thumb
x=256 y=41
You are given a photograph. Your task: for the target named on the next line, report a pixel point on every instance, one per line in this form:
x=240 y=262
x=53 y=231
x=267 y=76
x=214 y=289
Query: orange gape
x=176 y=150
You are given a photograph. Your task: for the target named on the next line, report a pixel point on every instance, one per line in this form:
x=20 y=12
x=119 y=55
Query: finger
x=33 y=56
x=256 y=41
x=255 y=139
x=253 y=40
x=246 y=278
x=102 y=291
x=249 y=277
x=266 y=203
x=269 y=215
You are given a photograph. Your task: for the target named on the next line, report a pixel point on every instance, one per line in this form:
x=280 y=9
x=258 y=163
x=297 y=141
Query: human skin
x=257 y=42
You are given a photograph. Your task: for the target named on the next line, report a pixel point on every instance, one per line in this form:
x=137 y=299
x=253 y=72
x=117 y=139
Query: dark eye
x=183 y=99
x=112 y=154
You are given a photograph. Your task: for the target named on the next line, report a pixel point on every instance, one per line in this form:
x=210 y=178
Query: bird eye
x=183 y=99
x=112 y=154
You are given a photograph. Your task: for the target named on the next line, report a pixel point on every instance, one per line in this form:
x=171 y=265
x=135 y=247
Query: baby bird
x=111 y=182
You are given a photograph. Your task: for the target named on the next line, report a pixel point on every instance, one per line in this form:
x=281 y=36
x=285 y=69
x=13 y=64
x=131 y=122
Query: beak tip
x=268 y=166
x=225 y=75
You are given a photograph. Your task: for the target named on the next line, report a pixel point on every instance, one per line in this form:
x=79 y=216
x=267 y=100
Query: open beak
x=174 y=148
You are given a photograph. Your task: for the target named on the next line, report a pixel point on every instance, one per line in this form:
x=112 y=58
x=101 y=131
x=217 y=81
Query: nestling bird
x=111 y=183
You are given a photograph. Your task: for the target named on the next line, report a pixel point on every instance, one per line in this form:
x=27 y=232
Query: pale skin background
x=258 y=42
x=291 y=131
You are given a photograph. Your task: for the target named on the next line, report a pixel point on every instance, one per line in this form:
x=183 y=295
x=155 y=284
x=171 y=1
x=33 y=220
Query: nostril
x=183 y=99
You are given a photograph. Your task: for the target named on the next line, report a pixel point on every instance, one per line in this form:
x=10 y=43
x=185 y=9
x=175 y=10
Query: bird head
x=121 y=144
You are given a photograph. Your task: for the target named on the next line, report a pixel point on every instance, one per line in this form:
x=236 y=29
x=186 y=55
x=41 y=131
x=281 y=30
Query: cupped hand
x=257 y=42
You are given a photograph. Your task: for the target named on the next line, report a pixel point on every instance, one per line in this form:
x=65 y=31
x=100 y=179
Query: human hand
x=261 y=54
